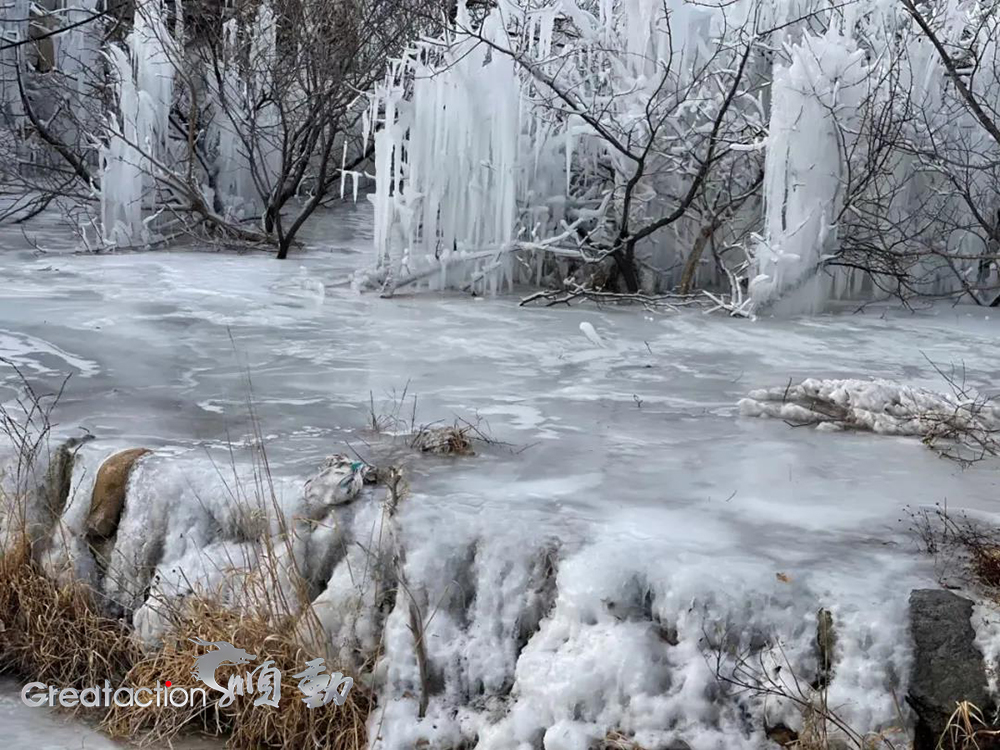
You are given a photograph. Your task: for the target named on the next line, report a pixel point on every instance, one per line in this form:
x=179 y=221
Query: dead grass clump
x=615 y=740
x=444 y=441
x=967 y=729
x=56 y=633
x=435 y=438
x=59 y=633
x=290 y=724
x=965 y=551
x=986 y=565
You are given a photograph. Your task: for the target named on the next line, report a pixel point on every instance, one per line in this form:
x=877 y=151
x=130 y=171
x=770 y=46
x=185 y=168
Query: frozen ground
x=669 y=512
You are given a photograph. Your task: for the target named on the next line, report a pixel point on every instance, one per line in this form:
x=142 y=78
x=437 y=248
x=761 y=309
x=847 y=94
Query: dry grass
x=290 y=724
x=965 y=551
x=968 y=730
x=455 y=440
x=398 y=418
x=54 y=633
x=615 y=740
x=768 y=675
x=59 y=633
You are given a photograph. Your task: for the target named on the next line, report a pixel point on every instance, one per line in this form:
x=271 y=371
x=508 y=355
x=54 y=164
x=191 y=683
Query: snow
x=633 y=509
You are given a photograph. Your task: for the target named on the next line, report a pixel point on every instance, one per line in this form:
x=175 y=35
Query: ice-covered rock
x=108 y=498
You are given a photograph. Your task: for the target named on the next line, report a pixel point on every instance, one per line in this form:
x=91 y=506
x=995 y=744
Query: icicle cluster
x=137 y=133
x=13 y=28
x=78 y=55
x=476 y=154
x=235 y=102
x=448 y=159
x=814 y=107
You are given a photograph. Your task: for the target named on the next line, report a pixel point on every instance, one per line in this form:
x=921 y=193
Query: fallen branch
x=671 y=302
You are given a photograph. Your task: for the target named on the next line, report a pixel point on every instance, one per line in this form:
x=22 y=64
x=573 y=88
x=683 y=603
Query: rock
x=948 y=667
x=40 y=516
x=59 y=477
x=108 y=498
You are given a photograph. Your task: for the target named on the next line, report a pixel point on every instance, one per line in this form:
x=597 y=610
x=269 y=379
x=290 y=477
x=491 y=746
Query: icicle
x=138 y=138
x=343 y=174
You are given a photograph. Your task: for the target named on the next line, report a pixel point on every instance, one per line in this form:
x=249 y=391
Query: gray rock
x=948 y=667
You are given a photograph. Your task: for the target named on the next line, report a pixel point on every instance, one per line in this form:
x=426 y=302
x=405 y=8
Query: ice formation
x=475 y=159
x=245 y=136
x=574 y=589
x=814 y=102
x=448 y=161
x=78 y=57
x=13 y=28
x=525 y=638
x=137 y=132
x=458 y=190
x=879 y=406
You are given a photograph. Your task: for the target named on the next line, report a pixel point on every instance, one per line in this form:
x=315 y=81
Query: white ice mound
x=880 y=406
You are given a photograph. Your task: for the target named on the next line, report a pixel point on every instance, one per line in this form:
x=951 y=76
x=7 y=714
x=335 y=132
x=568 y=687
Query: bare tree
x=277 y=85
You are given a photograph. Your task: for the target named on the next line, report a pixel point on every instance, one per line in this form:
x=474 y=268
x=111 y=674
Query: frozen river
x=634 y=456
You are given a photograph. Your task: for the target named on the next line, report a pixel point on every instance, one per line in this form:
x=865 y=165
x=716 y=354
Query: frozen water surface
x=664 y=504
x=47 y=729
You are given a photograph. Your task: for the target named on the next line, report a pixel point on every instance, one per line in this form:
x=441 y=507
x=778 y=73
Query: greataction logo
x=318 y=687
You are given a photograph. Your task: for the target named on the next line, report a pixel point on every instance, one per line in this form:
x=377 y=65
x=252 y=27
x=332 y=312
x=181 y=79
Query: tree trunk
x=625 y=262
x=283 y=245
x=691 y=267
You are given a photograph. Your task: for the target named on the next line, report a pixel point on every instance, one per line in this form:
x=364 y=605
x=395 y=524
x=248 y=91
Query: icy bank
x=540 y=636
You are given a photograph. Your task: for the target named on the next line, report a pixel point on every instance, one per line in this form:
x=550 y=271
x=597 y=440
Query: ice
x=881 y=406
x=986 y=622
x=805 y=165
x=446 y=161
x=587 y=329
x=77 y=55
x=632 y=508
x=13 y=28
x=137 y=134
x=48 y=729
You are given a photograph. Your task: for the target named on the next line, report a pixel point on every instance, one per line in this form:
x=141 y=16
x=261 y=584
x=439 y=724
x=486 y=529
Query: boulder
x=108 y=499
x=948 y=668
